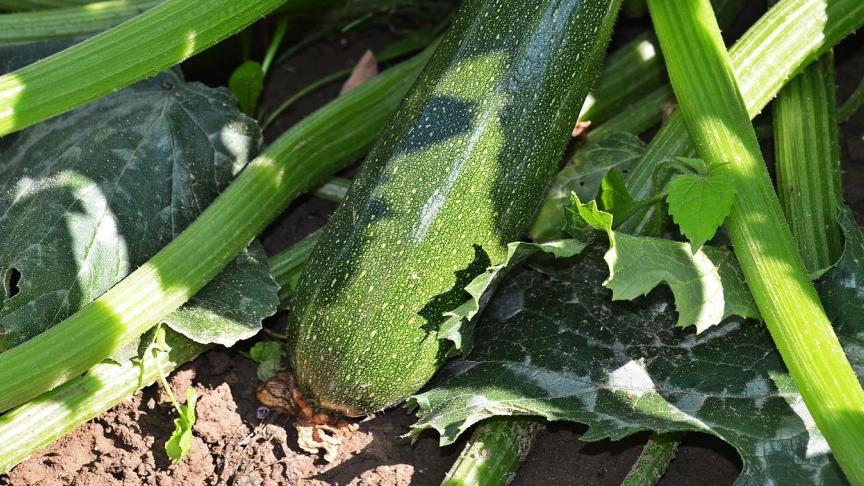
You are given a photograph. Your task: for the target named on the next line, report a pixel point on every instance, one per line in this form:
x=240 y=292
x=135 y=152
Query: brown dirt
x=231 y=446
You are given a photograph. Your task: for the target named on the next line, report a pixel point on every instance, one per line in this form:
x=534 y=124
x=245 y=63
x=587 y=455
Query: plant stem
x=301 y=158
x=494 y=452
x=286 y=266
x=719 y=123
x=780 y=44
x=636 y=69
x=654 y=460
x=807 y=159
x=23 y=5
x=852 y=104
x=70 y=21
x=148 y=43
x=34 y=425
x=275 y=43
x=401 y=48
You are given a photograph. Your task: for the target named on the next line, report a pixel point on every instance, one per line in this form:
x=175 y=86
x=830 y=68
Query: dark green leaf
x=552 y=343
x=614 y=195
x=457 y=327
x=89 y=196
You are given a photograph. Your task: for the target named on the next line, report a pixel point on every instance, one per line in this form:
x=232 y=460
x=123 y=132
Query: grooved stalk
x=780 y=44
x=807 y=156
x=494 y=452
x=717 y=119
x=136 y=49
x=70 y=21
x=654 y=460
x=299 y=159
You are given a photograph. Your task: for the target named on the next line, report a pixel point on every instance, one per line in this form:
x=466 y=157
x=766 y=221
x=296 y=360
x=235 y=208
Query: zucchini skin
x=457 y=175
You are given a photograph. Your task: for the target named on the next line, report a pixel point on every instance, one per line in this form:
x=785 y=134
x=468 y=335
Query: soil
x=231 y=446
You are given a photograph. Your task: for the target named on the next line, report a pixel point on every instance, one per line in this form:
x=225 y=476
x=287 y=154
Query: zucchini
x=457 y=174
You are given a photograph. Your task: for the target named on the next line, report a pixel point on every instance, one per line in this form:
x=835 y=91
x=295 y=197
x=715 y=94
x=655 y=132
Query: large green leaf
x=552 y=343
x=89 y=196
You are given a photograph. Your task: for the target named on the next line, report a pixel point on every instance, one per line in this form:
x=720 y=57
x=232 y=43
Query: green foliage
x=699 y=201
x=583 y=175
x=457 y=327
x=180 y=442
x=614 y=195
x=93 y=194
x=268 y=355
x=247 y=82
x=707 y=285
x=552 y=343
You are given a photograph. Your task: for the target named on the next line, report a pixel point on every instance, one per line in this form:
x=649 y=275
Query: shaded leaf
x=614 y=195
x=247 y=82
x=457 y=327
x=700 y=201
x=268 y=355
x=93 y=194
x=583 y=175
x=551 y=343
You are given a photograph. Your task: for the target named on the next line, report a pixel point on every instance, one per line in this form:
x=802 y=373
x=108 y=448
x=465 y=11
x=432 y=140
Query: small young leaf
x=180 y=442
x=614 y=195
x=247 y=82
x=268 y=355
x=700 y=202
x=583 y=175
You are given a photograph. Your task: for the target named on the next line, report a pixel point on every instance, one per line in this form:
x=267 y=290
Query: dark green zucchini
x=456 y=176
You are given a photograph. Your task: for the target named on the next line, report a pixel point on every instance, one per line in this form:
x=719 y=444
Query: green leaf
x=583 y=175
x=552 y=343
x=247 y=82
x=707 y=285
x=614 y=195
x=457 y=327
x=699 y=202
x=180 y=442
x=268 y=355
x=232 y=306
x=89 y=196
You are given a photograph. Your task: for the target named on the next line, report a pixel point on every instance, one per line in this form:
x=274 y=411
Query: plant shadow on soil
x=231 y=446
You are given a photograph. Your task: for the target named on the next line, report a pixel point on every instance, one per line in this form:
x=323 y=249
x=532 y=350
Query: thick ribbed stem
x=719 y=124
x=807 y=158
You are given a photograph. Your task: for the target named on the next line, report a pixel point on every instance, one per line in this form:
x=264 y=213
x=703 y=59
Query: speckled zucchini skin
x=457 y=175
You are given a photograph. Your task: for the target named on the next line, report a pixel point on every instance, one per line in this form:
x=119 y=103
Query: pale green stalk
x=717 y=119
x=23 y=5
x=301 y=158
x=654 y=460
x=69 y=22
x=780 y=44
x=807 y=161
x=494 y=452
x=136 y=49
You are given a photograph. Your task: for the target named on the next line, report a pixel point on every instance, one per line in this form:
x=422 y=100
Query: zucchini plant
x=421 y=263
